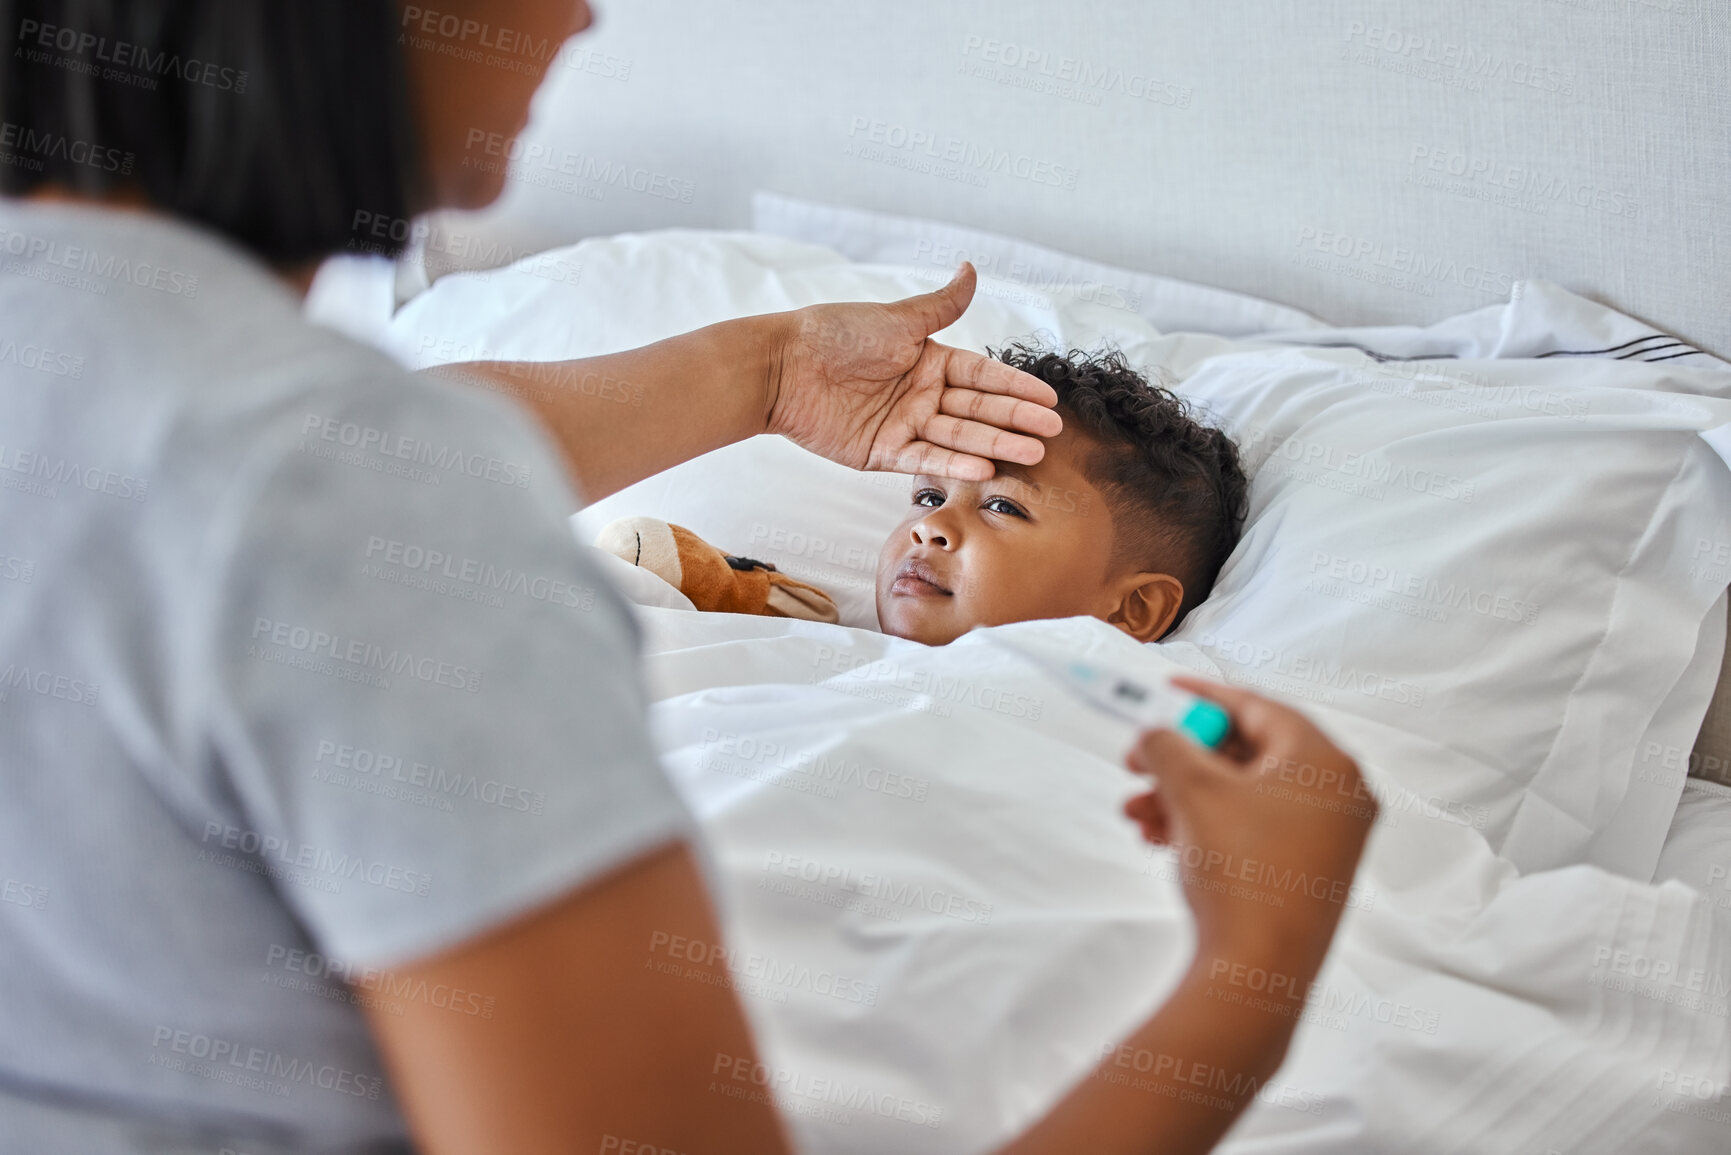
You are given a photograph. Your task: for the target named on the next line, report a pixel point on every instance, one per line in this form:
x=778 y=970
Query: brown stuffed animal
x=713 y=580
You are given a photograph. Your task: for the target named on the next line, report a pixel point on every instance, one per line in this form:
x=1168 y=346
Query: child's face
x=1033 y=542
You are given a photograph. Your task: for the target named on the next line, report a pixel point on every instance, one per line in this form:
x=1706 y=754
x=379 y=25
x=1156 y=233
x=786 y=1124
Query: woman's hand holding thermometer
x=1274 y=802
x=1267 y=823
x=1251 y=794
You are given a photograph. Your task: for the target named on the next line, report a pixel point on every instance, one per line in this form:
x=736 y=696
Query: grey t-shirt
x=302 y=676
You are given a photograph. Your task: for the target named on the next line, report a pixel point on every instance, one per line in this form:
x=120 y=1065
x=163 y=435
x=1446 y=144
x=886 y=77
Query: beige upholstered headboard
x=1711 y=758
x=1366 y=161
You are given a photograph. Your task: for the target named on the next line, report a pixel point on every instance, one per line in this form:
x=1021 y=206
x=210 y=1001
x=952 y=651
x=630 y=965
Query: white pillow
x=1511 y=585
x=1539 y=521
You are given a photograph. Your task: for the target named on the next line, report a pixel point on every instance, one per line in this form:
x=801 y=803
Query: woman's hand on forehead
x=865 y=385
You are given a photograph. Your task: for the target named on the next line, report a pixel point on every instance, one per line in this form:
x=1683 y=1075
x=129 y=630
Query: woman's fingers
x=964 y=369
x=1218 y=692
x=1000 y=410
x=986 y=412
x=1254 y=718
x=980 y=439
x=1174 y=761
x=996 y=416
x=936 y=461
x=1147 y=811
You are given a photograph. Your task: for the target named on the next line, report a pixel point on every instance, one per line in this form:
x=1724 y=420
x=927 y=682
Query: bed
x=1371 y=163
x=1486 y=419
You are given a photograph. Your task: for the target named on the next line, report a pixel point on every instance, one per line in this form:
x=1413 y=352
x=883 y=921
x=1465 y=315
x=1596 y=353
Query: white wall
x=1280 y=149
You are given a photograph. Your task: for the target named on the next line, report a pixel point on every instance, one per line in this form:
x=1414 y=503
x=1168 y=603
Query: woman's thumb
x=941 y=308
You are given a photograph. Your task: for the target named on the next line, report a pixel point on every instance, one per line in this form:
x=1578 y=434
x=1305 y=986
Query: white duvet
x=938 y=920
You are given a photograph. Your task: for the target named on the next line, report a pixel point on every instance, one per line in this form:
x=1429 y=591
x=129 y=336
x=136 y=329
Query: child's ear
x=1148 y=605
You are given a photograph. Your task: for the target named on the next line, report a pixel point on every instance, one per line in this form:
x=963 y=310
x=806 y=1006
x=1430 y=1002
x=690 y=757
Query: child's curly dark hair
x=1177 y=492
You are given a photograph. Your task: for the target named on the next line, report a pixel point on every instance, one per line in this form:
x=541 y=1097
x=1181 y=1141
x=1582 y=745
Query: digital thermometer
x=1145 y=706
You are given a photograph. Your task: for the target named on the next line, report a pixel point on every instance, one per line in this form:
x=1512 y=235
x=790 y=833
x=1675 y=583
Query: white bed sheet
x=939 y=920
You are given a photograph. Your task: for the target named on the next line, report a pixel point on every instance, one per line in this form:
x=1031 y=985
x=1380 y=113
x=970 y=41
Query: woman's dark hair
x=1177 y=492
x=280 y=123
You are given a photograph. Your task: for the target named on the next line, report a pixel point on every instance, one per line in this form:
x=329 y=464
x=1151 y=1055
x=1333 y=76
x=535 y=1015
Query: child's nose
x=926 y=533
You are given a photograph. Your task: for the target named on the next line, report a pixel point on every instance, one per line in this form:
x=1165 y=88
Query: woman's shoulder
x=190 y=350
x=145 y=308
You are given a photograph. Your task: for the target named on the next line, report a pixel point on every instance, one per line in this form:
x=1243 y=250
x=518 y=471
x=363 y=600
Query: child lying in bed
x=1127 y=518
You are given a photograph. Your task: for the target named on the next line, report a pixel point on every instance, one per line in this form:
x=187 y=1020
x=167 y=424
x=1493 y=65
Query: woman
x=286 y=819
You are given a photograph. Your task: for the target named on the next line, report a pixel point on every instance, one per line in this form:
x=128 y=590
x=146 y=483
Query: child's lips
x=916 y=579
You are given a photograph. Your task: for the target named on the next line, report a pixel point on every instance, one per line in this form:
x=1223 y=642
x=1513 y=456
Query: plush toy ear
x=794 y=599
x=646 y=542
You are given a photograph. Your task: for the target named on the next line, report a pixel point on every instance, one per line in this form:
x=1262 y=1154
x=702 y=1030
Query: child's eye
x=922 y=495
x=1004 y=505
